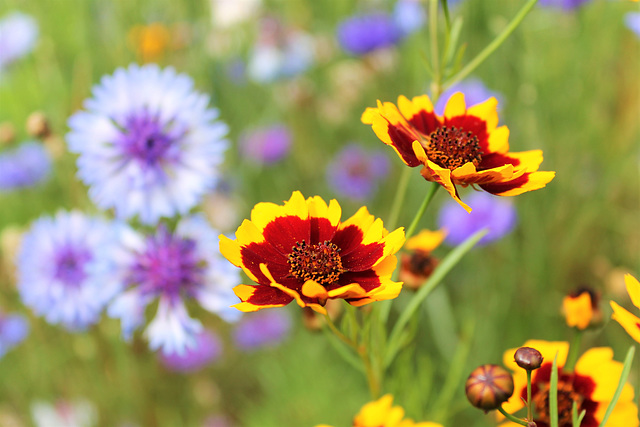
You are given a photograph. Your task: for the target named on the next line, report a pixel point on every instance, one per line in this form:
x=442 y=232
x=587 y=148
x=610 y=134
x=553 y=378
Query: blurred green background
x=569 y=81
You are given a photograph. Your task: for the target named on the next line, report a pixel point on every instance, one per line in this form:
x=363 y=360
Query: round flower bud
x=528 y=358
x=38 y=125
x=488 y=387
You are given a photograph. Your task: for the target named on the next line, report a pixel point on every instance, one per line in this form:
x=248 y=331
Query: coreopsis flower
x=148 y=144
x=150 y=41
x=303 y=251
x=581 y=308
x=463 y=147
x=627 y=320
x=173 y=268
x=207 y=349
x=66 y=268
x=355 y=173
x=27 y=165
x=262 y=329
x=499 y=216
x=14 y=328
x=474 y=90
x=591 y=386
x=417 y=265
x=18 y=36
x=267 y=145
x=381 y=413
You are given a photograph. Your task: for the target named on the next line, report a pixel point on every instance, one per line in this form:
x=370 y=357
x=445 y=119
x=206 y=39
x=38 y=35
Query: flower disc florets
x=320 y=262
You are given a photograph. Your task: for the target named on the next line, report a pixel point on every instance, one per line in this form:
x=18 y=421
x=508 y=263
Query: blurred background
x=291 y=79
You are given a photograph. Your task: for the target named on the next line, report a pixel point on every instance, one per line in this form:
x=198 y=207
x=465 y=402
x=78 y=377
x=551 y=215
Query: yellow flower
x=591 y=386
x=417 y=265
x=464 y=147
x=303 y=251
x=628 y=321
x=380 y=413
x=150 y=41
x=581 y=309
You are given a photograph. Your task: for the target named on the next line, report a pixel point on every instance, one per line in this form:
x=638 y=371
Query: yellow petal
x=499 y=140
x=628 y=321
x=633 y=288
x=426 y=240
x=578 y=311
x=625 y=414
x=598 y=364
x=313 y=289
x=487 y=111
x=455 y=106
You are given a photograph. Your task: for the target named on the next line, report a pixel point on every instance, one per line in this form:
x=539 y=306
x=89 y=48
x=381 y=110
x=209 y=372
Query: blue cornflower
x=361 y=34
x=266 y=145
x=207 y=349
x=174 y=267
x=262 y=329
x=13 y=330
x=18 y=36
x=27 y=165
x=564 y=4
x=408 y=16
x=496 y=214
x=475 y=92
x=148 y=144
x=65 y=268
x=632 y=21
x=355 y=173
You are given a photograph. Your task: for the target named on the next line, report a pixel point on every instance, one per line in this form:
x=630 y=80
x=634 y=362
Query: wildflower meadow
x=331 y=213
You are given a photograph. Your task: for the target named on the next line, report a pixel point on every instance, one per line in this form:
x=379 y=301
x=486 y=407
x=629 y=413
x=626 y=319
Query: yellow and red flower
x=628 y=321
x=418 y=264
x=582 y=309
x=380 y=413
x=463 y=147
x=591 y=386
x=302 y=251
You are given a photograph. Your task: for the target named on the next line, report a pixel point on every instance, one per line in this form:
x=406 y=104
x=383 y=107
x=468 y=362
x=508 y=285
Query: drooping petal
x=628 y=321
x=172 y=330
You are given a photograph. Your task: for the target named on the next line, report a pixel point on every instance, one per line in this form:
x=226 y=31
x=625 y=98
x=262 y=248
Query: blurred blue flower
x=408 y=16
x=207 y=349
x=355 y=173
x=174 y=268
x=262 y=329
x=361 y=34
x=496 y=213
x=266 y=145
x=66 y=268
x=564 y=4
x=474 y=91
x=147 y=144
x=24 y=166
x=632 y=21
x=18 y=36
x=14 y=328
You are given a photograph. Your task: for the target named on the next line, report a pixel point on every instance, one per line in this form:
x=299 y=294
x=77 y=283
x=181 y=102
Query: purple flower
x=207 y=349
x=564 y=4
x=261 y=329
x=355 y=172
x=66 y=268
x=14 y=328
x=147 y=144
x=18 y=36
x=173 y=268
x=497 y=214
x=408 y=16
x=266 y=145
x=27 y=165
x=474 y=92
x=632 y=21
x=361 y=34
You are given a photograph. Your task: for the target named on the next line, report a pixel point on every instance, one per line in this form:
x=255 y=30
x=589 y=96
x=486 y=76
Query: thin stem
x=553 y=394
x=445 y=9
x=436 y=87
x=421 y=210
x=574 y=350
x=372 y=378
x=529 y=405
x=495 y=44
x=511 y=417
x=339 y=334
x=401 y=192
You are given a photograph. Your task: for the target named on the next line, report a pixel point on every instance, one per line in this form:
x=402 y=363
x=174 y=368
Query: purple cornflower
x=361 y=34
x=18 y=36
x=147 y=144
x=632 y=21
x=13 y=330
x=27 y=165
x=207 y=349
x=408 y=16
x=355 y=172
x=564 y=4
x=266 y=145
x=262 y=329
x=174 y=267
x=474 y=92
x=66 y=268
x=495 y=213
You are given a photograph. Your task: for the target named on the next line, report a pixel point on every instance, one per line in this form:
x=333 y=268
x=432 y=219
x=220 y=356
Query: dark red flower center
x=451 y=147
x=566 y=396
x=321 y=262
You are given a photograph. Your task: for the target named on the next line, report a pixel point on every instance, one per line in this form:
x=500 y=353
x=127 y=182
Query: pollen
x=320 y=262
x=451 y=147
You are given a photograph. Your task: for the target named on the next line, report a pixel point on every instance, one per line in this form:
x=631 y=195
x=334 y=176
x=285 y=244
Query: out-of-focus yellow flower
x=628 y=321
x=463 y=147
x=380 y=413
x=150 y=41
x=581 y=309
x=591 y=386
x=417 y=265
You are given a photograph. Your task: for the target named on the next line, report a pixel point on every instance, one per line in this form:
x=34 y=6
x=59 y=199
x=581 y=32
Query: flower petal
x=419 y=113
x=628 y=321
x=258 y=297
x=426 y=240
x=598 y=364
x=522 y=184
x=633 y=289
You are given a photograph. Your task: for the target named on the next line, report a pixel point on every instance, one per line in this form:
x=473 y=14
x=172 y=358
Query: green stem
x=436 y=86
x=511 y=417
x=574 y=350
x=445 y=9
x=495 y=44
x=529 y=404
x=553 y=394
x=421 y=210
x=398 y=201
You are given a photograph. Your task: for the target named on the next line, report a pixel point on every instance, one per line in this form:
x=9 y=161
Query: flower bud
x=7 y=133
x=488 y=387
x=528 y=358
x=38 y=125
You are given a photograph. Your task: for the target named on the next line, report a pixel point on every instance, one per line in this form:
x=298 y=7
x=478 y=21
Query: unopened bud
x=489 y=386
x=528 y=358
x=38 y=125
